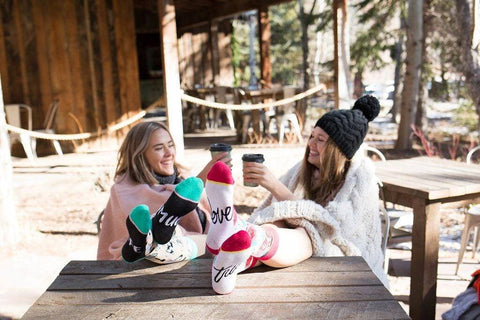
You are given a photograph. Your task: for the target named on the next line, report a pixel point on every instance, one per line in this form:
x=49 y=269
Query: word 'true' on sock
x=183 y=199
x=231 y=260
x=219 y=188
x=138 y=226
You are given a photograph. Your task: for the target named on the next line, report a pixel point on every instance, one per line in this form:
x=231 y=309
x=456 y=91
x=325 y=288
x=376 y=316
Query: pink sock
x=232 y=259
x=219 y=188
x=264 y=241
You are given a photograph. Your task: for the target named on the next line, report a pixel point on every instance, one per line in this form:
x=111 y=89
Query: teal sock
x=138 y=226
x=184 y=199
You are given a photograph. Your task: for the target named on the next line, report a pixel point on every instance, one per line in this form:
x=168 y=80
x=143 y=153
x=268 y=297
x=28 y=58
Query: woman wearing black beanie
x=327 y=204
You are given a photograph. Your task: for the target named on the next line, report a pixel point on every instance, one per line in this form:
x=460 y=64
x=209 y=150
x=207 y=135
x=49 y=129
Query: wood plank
x=20 y=28
x=325 y=264
x=104 y=66
x=366 y=310
x=3 y=64
x=60 y=67
x=12 y=52
x=129 y=48
x=203 y=280
x=42 y=51
x=187 y=296
x=77 y=53
x=114 y=59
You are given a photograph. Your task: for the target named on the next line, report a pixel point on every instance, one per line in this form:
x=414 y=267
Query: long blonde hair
x=334 y=167
x=131 y=156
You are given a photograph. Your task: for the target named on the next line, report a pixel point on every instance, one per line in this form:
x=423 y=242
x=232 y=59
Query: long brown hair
x=131 y=156
x=334 y=167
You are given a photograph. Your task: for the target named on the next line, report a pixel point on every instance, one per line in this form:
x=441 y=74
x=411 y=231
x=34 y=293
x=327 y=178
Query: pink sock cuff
x=271 y=232
x=220 y=172
x=212 y=251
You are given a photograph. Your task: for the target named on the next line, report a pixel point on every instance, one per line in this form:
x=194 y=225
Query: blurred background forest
x=440 y=89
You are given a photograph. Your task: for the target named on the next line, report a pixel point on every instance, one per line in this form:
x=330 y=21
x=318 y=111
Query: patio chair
x=470 y=154
x=287 y=115
x=472 y=221
x=385 y=223
x=48 y=127
x=221 y=97
x=401 y=221
x=14 y=113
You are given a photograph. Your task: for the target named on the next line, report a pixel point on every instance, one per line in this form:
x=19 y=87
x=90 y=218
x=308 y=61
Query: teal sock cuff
x=140 y=217
x=190 y=188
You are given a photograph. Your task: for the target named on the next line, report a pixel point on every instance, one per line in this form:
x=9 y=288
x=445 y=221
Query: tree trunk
x=341 y=54
x=398 y=76
x=469 y=52
x=304 y=27
x=412 y=74
x=421 y=120
x=8 y=217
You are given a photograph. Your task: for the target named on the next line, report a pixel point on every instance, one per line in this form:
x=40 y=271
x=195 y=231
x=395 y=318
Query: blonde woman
x=146 y=174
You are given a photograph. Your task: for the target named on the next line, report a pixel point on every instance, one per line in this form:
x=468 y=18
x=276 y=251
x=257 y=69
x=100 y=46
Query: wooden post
x=8 y=217
x=171 y=77
x=213 y=35
x=265 y=35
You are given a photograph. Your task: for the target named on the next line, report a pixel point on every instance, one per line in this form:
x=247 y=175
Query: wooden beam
x=222 y=11
x=21 y=52
x=106 y=65
x=3 y=63
x=171 y=78
x=42 y=52
x=265 y=35
x=213 y=35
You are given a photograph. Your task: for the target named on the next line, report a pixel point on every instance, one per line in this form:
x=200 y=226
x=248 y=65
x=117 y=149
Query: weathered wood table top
x=425 y=184
x=318 y=288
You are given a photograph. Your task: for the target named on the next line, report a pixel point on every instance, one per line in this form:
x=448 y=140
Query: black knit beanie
x=348 y=128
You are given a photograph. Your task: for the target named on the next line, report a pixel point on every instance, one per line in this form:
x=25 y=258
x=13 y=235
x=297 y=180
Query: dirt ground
x=58 y=200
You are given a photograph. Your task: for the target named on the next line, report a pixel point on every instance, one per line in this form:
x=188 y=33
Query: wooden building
x=106 y=59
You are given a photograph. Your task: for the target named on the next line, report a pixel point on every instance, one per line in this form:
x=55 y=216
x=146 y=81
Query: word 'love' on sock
x=179 y=248
x=183 y=199
x=231 y=260
x=219 y=188
x=138 y=226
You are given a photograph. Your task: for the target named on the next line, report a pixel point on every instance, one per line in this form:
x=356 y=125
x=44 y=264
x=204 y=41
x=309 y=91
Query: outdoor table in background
x=318 y=288
x=424 y=184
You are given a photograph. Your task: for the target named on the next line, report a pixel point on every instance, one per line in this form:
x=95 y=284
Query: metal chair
x=401 y=221
x=48 y=126
x=288 y=115
x=385 y=223
x=472 y=221
x=470 y=154
x=14 y=114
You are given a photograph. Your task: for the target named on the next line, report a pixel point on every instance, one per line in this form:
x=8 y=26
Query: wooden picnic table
x=424 y=184
x=318 y=288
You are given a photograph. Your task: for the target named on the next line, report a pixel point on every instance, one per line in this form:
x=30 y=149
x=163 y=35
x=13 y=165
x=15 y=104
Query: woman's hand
x=224 y=157
x=258 y=173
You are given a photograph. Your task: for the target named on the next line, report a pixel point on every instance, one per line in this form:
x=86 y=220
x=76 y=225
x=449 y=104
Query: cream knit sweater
x=348 y=226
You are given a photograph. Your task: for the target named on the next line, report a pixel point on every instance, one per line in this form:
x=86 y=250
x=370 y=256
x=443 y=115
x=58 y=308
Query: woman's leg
x=294 y=246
